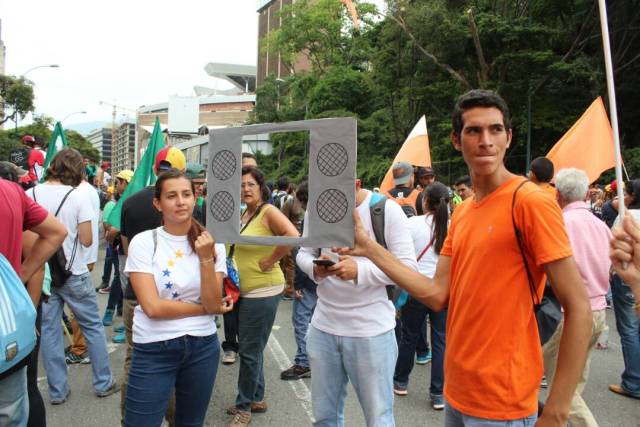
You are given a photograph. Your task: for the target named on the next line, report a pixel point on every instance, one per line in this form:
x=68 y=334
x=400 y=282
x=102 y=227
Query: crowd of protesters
x=417 y=287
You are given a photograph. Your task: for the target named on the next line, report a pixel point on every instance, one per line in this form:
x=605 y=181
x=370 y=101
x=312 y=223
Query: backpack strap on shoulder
x=518 y=233
x=376 y=210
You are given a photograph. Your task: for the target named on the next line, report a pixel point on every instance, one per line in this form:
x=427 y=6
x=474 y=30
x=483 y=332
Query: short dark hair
x=302 y=193
x=283 y=183
x=464 y=179
x=257 y=174
x=478 y=98
x=249 y=156
x=67 y=167
x=542 y=168
x=632 y=188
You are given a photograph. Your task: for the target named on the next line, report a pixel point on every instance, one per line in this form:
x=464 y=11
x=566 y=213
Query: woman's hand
x=362 y=240
x=625 y=250
x=265 y=264
x=205 y=246
x=227 y=305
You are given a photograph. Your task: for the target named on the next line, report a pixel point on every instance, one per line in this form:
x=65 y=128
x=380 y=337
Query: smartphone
x=324 y=262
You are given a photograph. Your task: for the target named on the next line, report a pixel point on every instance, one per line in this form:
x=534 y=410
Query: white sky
x=128 y=53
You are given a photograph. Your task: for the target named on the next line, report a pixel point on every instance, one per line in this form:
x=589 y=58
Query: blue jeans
x=188 y=364
x=455 y=418
x=109 y=259
x=255 y=320
x=367 y=362
x=115 y=294
x=80 y=296
x=301 y=317
x=413 y=318
x=629 y=329
x=14 y=402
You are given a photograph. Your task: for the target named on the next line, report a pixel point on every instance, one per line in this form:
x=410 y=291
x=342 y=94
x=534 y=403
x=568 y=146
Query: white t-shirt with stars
x=176 y=270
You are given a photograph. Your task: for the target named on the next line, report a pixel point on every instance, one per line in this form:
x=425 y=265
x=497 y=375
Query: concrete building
x=271 y=63
x=100 y=139
x=124 y=144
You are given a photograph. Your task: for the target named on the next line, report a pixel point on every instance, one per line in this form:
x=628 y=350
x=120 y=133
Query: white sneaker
x=229 y=357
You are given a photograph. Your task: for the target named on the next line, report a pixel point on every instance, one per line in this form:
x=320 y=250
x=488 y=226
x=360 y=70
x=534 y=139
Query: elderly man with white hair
x=589 y=238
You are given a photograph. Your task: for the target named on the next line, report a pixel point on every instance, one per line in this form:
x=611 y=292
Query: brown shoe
x=619 y=390
x=259 y=407
x=242 y=419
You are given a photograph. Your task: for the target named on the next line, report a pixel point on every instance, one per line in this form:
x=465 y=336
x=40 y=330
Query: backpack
x=377 y=202
x=20 y=157
x=279 y=199
x=407 y=203
x=17 y=318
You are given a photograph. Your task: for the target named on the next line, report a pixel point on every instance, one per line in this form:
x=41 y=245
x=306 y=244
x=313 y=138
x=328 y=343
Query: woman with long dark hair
x=176 y=271
x=428 y=232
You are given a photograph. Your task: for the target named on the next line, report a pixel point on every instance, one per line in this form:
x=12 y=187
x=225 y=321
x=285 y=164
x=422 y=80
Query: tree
x=17 y=96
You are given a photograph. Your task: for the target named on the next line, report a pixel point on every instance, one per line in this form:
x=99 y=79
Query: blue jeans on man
x=367 y=362
x=628 y=326
x=14 y=401
x=413 y=318
x=455 y=418
x=79 y=295
x=189 y=364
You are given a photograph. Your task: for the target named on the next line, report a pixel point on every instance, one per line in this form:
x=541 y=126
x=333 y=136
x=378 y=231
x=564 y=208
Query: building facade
x=100 y=139
x=269 y=62
x=123 y=150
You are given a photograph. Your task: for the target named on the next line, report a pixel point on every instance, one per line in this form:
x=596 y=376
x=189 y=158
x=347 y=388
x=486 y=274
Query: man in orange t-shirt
x=541 y=173
x=493 y=362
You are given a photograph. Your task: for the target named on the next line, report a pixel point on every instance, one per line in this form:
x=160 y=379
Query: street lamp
x=39 y=66
x=69 y=115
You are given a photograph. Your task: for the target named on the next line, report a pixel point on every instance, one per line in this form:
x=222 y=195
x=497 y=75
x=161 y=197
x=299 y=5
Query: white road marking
x=300 y=389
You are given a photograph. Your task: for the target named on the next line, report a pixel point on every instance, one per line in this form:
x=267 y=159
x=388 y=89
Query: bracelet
x=206 y=260
x=637 y=306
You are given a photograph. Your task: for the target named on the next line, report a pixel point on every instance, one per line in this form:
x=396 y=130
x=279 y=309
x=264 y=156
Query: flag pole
x=612 y=101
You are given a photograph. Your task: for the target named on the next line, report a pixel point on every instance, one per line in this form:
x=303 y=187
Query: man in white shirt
x=351 y=337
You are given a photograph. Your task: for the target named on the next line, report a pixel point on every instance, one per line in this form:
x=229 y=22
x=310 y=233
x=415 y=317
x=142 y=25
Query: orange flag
x=588 y=145
x=415 y=151
x=352 y=10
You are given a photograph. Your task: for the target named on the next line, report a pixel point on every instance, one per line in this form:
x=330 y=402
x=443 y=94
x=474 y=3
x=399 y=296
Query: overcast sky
x=130 y=53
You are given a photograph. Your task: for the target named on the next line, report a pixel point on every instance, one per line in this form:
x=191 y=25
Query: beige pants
x=579 y=413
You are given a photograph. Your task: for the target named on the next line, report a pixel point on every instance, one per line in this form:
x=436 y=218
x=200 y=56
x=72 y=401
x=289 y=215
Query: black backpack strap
x=518 y=232
x=376 y=211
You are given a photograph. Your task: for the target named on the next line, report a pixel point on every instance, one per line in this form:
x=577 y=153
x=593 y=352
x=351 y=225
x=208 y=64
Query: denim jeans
x=115 y=294
x=367 y=362
x=629 y=329
x=109 y=258
x=301 y=317
x=14 y=402
x=188 y=364
x=455 y=418
x=255 y=317
x=230 y=319
x=413 y=318
x=80 y=296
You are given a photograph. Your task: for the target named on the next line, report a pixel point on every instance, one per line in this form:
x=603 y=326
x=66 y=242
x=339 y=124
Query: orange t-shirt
x=493 y=360
x=550 y=190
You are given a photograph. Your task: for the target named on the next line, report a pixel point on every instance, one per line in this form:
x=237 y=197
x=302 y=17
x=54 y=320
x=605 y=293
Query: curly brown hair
x=67 y=167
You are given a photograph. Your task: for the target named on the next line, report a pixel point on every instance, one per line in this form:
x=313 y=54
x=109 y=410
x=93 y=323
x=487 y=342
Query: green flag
x=58 y=142
x=144 y=174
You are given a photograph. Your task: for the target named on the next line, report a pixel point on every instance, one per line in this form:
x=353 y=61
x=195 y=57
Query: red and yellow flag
x=588 y=145
x=415 y=151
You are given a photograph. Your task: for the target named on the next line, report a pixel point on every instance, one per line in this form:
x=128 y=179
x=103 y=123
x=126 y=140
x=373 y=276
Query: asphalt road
x=289 y=401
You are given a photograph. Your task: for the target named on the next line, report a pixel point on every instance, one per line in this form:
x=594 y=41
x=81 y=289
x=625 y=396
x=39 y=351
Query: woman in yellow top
x=261 y=286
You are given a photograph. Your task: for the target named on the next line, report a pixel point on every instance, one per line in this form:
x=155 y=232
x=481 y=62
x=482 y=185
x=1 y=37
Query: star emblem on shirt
x=170 y=263
x=179 y=254
x=168 y=285
x=174 y=295
x=166 y=273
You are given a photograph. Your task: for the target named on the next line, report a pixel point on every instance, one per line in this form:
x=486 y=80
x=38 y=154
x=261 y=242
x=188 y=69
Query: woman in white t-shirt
x=428 y=232
x=176 y=271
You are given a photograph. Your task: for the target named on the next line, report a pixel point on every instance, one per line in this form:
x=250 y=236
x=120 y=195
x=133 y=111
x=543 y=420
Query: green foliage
x=423 y=54
x=17 y=94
